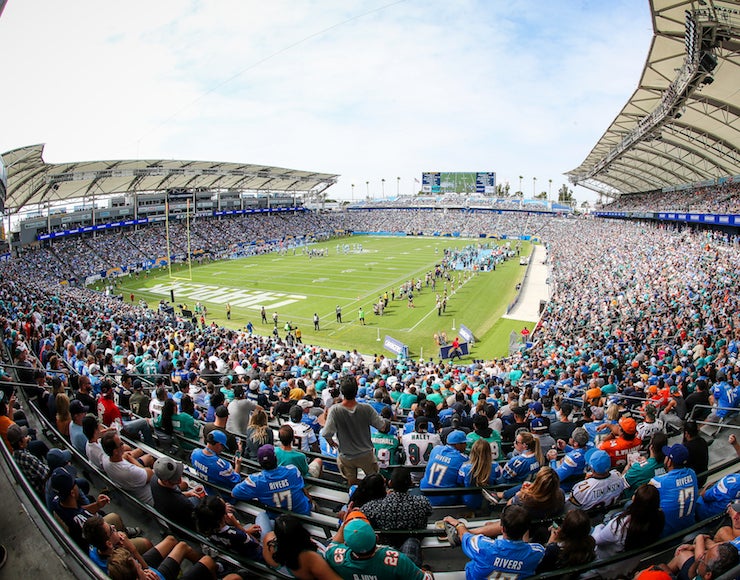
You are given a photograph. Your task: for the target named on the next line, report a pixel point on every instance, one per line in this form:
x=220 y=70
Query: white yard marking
x=222 y=295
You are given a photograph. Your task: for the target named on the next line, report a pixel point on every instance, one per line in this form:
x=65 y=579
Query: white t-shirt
x=95 y=454
x=610 y=537
x=130 y=477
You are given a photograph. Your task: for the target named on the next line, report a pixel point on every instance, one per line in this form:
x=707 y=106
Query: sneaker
x=452 y=536
x=133 y=532
x=491 y=498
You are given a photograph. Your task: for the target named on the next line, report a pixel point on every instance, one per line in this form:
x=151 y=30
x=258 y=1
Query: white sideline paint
x=221 y=295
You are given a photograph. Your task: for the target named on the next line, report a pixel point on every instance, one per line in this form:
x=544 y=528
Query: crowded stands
x=251 y=457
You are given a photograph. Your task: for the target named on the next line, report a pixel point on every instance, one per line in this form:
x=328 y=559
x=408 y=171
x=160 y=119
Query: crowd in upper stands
x=720 y=199
x=641 y=334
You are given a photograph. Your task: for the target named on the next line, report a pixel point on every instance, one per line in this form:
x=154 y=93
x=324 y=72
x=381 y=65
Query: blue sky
x=366 y=89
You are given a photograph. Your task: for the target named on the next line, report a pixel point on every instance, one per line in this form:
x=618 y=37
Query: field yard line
x=435 y=308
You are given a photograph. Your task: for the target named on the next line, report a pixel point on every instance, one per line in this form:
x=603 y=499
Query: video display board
x=459 y=182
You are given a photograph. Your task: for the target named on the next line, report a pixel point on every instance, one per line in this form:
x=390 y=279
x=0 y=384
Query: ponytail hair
x=533 y=444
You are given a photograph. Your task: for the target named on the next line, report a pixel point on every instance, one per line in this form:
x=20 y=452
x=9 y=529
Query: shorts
x=683 y=573
x=314 y=468
x=348 y=466
x=170 y=569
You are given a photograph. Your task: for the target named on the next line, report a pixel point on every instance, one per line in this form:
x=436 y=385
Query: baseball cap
x=266 y=456
x=76 y=407
x=423 y=423
x=218 y=436
x=678 y=454
x=295 y=413
x=455 y=437
x=580 y=436
x=16 y=433
x=628 y=425
x=536 y=407
x=167 y=469
x=594 y=393
x=58 y=458
x=537 y=424
x=305 y=404
x=359 y=536
x=138 y=385
x=735 y=505
x=254 y=385
x=599 y=461
x=62 y=482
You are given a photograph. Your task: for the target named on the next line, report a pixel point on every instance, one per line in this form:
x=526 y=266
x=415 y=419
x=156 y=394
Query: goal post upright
x=167 y=234
x=189 y=277
x=187 y=231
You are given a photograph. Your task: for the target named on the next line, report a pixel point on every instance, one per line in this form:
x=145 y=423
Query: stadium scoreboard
x=458 y=182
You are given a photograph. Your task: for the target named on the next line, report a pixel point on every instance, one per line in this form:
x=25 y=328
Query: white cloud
x=368 y=90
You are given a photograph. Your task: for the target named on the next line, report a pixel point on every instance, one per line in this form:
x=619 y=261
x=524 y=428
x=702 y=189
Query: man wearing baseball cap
x=602 y=485
x=33 y=468
x=170 y=493
x=621 y=441
x=276 y=485
x=679 y=489
x=354 y=553
x=573 y=463
x=76 y=436
x=210 y=465
x=70 y=507
x=443 y=466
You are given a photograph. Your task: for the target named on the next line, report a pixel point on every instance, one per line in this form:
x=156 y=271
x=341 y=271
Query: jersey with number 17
x=280 y=487
x=679 y=489
x=442 y=471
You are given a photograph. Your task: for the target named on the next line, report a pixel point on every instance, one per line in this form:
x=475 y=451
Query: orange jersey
x=619 y=448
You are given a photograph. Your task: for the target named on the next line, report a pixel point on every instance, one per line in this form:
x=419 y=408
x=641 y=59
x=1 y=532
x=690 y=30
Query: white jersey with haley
x=418 y=447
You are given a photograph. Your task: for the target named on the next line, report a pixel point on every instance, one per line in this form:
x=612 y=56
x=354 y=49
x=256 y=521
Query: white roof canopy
x=32 y=182
x=682 y=124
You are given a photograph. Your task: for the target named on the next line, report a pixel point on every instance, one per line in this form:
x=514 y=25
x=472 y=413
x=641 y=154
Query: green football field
x=296 y=286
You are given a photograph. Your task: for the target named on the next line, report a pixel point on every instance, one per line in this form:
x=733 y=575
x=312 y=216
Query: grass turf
x=295 y=287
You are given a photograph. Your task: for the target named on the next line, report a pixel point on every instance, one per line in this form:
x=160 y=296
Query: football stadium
x=210 y=369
